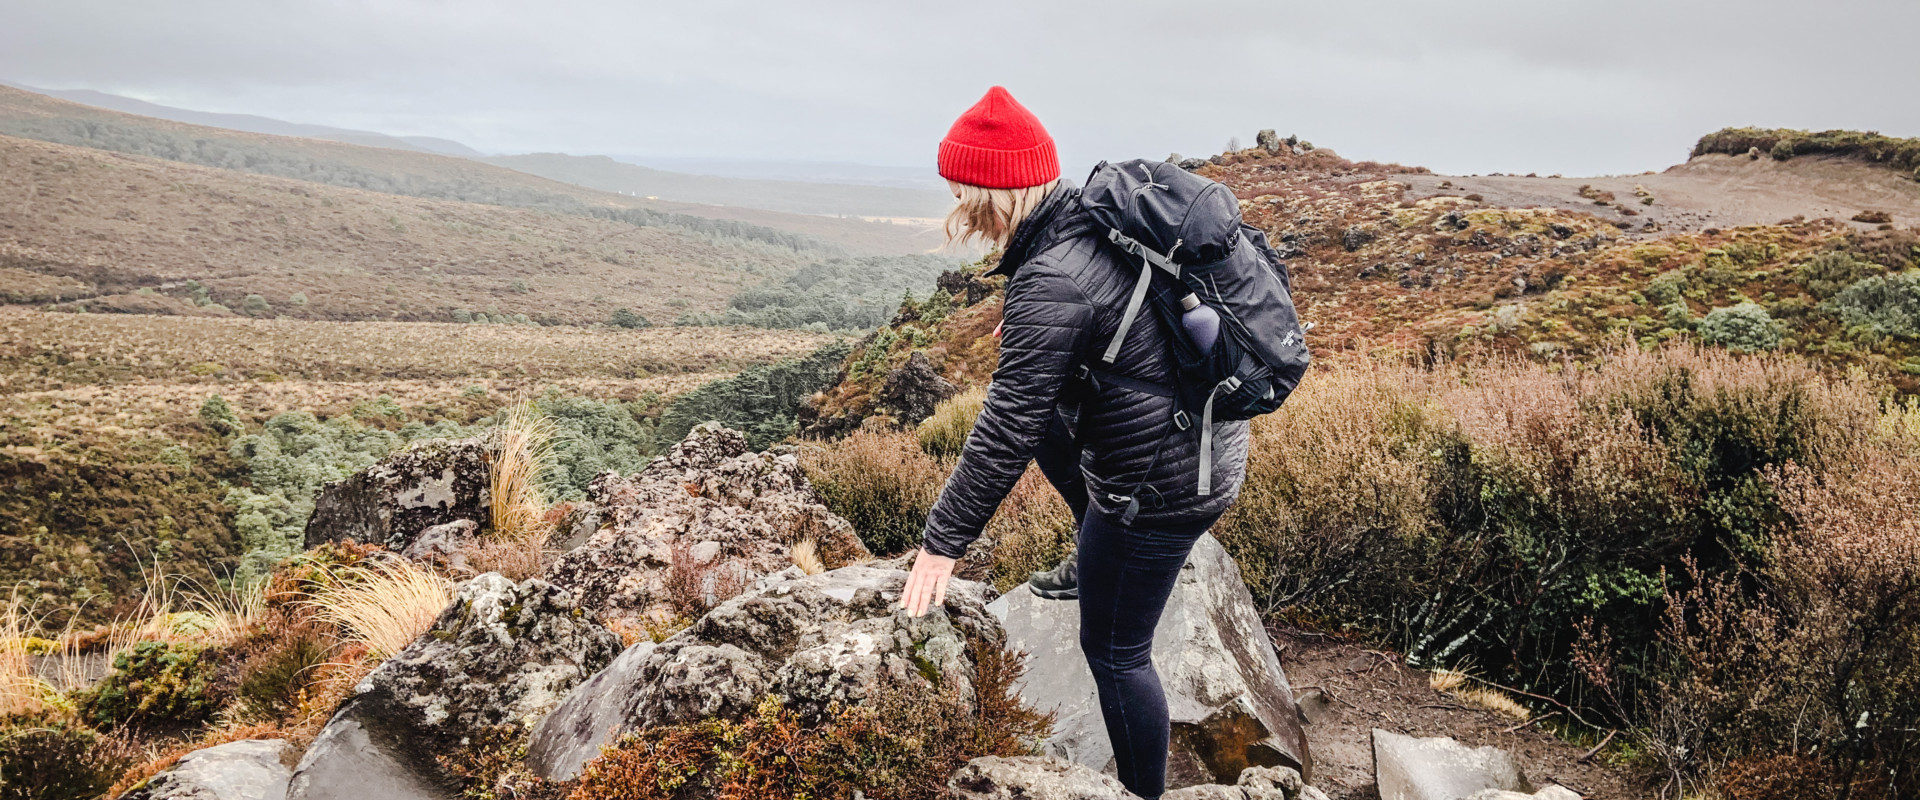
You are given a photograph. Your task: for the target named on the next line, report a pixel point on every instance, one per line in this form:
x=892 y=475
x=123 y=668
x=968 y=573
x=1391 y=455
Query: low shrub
x=1745 y=328
x=158 y=684
x=881 y=482
x=51 y=760
x=1880 y=307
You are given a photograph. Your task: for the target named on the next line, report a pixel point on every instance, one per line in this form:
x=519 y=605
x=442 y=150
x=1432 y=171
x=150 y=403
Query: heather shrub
x=41 y=760
x=1032 y=531
x=879 y=481
x=1831 y=271
x=1744 y=328
x=944 y=433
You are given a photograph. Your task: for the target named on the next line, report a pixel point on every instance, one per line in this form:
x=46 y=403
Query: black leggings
x=1126 y=575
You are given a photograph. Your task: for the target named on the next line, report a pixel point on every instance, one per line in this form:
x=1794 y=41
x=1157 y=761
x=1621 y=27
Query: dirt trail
x=1709 y=191
x=1367 y=689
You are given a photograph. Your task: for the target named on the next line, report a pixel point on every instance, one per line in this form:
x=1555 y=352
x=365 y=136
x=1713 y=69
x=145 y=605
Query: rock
x=1257 y=783
x=1032 y=778
x=1357 y=237
x=585 y=720
x=445 y=546
x=813 y=639
x=251 y=769
x=1191 y=164
x=697 y=526
x=495 y=662
x=1552 y=791
x=911 y=392
x=1226 y=692
x=430 y=483
x=1270 y=141
x=1440 y=768
x=959 y=281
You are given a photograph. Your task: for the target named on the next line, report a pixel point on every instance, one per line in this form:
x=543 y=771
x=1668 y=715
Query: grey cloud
x=1572 y=87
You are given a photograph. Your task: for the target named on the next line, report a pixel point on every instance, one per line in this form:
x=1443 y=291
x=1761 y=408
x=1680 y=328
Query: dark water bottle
x=1201 y=321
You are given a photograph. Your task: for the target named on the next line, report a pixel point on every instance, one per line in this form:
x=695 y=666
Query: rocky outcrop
x=430 y=483
x=1032 y=778
x=495 y=662
x=697 y=526
x=1440 y=768
x=445 y=546
x=910 y=392
x=812 y=639
x=251 y=769
x=1226 y=692
x=1257 y=783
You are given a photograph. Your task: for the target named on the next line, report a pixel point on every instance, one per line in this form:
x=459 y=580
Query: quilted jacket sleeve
x=1048 y=321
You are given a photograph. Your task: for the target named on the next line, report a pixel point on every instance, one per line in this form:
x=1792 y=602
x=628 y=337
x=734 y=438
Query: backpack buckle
x=1181 y=421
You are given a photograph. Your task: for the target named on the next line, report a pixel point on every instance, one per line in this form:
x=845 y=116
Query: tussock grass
x=383 y=605
x=944 y=433
x=806 y=555
x=1464 y=688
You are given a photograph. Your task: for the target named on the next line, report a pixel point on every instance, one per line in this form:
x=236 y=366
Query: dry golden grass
x=383 y=605
x=806 y=555
x=51 y=350
x=22 y=691
x=944 y=433
x=1464 y=688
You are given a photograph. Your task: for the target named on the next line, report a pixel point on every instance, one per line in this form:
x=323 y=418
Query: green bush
x=840 y=294
x=1745 y=328
x=882 y=483
x=1831 y=271
x=626 y=318
x=1883 y=306
x=1667 y=288
x=218 y=414
x=157 y=683
x=594 y=436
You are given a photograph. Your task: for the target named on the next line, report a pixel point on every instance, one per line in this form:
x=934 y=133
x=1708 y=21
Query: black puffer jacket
x=1064 y=300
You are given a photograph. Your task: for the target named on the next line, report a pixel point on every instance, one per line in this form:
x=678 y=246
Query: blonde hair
x=992 y=215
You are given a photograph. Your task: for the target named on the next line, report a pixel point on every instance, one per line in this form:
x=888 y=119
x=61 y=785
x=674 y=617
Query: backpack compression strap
x=1148 y=260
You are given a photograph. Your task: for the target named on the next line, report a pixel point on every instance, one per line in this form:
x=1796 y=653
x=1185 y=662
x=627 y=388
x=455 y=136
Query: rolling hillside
x=84 y=228
x=417 y=174
x=601 y=172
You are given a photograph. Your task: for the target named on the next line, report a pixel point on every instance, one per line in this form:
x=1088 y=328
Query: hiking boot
x=1060 y=583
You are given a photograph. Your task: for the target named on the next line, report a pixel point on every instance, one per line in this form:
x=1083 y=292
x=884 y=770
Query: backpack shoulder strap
x=1149 y=261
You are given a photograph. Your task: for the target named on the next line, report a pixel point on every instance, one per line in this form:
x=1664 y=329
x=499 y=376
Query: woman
x=1066 y=289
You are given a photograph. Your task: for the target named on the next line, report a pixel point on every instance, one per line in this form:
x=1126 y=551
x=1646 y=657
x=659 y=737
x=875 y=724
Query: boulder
x=1226 y=692
x=1440 y=768
x=910 y=392
x=1256 y=783
x=1032 y=778
x=1551 y=791
x=495 y=662
x=1270 y=141
x=813 y=639
x=432 y=482
x=697 y=526
x=445 y=546
x=251 y=769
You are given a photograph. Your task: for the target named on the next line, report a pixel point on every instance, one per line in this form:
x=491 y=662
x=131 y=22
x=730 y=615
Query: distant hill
x=88 y=229
x=415 y=173
x=251 y=123
x=602 y=172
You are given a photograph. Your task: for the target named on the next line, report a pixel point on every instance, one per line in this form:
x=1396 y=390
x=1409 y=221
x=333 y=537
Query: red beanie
x=998 y=144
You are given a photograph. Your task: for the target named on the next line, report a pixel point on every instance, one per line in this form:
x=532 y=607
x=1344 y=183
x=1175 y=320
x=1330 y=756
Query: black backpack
x=1187 y=230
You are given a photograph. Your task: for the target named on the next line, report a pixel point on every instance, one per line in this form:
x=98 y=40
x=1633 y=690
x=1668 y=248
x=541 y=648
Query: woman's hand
x=927 y=584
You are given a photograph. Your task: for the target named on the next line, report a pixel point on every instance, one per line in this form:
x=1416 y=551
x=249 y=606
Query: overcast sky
x=1460 y=86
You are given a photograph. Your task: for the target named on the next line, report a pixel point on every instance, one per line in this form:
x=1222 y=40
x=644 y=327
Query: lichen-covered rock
x=1256 y=783
x=1227 y=694
x=1270 y=141
x=495 y=662
x=707 y=519
x=910 y=392
x=813 y=639
x=430 y=483
x=445 y=546
x=1032 y=778
x=252 y=769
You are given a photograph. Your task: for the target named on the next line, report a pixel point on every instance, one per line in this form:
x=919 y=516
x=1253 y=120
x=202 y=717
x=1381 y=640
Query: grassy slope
x=35 y=116
x=116 y=224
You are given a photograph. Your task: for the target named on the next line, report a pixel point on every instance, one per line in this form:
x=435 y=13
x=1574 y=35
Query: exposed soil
x=1708 y=191
x=1367 y=689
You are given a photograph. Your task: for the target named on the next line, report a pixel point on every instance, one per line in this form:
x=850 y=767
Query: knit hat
x=998 y=144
